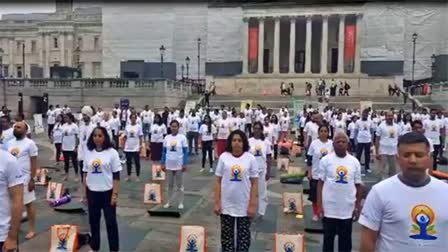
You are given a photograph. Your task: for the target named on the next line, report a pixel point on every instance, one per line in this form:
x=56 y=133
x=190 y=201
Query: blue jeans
x=146 y=129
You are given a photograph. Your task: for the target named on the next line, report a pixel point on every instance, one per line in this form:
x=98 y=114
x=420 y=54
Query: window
x=96 y=69
x=19 y=71
x=33 y=46
x=6 y=70
x=96 y=43
x=55 y=43
x=19 y=46
x=79 y=43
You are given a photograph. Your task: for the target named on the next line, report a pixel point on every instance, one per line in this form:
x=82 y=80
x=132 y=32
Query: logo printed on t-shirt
x=131 y=133
x=257 y=151
x=434 y=127
x=391 y=133
x=289 y=247
x=173 y=146
x=341 y=175
x=15 y=151
x=97 y=167
x=237 y=172
x=323 y=152
x=423 y=226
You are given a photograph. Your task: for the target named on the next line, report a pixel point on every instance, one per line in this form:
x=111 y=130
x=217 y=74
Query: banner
x=253 y=43
x=38 y=125
x=350 y=44
x=243 y=104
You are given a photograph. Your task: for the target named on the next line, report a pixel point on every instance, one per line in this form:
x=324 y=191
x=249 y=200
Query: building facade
x=30 y=44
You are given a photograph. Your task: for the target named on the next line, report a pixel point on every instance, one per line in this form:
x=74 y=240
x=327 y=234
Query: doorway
x=334 y=60
x=37 y=105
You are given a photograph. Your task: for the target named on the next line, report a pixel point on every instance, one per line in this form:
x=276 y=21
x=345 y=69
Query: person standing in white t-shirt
x=174 y=163
x=183 y=123
x=276 y=134
x=318 y=149
x=70 y=142
x=363 y=135
x=407 y=212
x=433 y=130
x=86 y=127
x=193 y=132
x=339 y=124
x=351 y=128
x=56 y=137
x=417 y=126
x=158 y=132
x=223 y=126
x=285 y=122
x=51 y=120
x=207 y=131
x=386 y=146
x=235 y=192
x=260 y=147
x=132 y=146
x=101 y=176
x=248 y=119
x=147 y=116
x=6 y=132
x=11 y=196
x=25 y=150
x=339 y=194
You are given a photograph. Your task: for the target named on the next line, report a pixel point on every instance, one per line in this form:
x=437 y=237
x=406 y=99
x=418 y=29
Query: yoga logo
x=131 y=133
x=423 y=227
x=391 y=133
x=289 y=247
x=152 y=195
x=97 y=166
x=341 y=175
x=173 y=146
x=15 y=151
x=323 y=152
x=236 y=173
x=292 y=207
x=434 y=128
x=365 y=126
x=257 y=151
x=192 y=243
x=63 y=237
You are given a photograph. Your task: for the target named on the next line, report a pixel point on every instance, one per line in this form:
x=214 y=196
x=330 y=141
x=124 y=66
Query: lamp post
x=414 y=39
x=182 y=68
x=23 y=60
x=162 y=50
x=199 y=59
x=187 y=62
x=1 y=63
x=433 y=66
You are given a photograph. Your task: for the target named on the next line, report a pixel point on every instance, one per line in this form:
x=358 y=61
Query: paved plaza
x=141 y=232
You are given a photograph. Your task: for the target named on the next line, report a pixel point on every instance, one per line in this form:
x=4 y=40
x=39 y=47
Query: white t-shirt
x=284 y=124
x=10 y=176
x=311 y=129
x=57 y=133
x=23 y=150
x=147 y=116
x=108 y=126
x=405 y=128
x=51 y=117
x=234 y=123
x=58 y=111
x=351 y=129
x=389 y=138
x=432 y=130
x=133 y=134
x=157 y=132
x=224 y=126
x=193 y=123
x=339 y=126
x=260 y=149
x=174 y=151
x=248 y=116
x=302 y=121
x=115 y=125
x=84 y=133
x=410 y=219
x=261 y=116
x=69 y=134
x=205 y=134
x=100 y=167
x=275 y=132
x=268 y=133
x=364 y=129
x=6 y=136
x=318 y=150
x=339 y=192
x=182 y=125
x=241 y=124
x=236 y=173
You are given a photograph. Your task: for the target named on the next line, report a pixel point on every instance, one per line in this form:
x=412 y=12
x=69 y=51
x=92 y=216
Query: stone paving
x=143 y=233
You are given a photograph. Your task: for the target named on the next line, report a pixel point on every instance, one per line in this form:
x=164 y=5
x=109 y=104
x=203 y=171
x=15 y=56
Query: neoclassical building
x=30 y=44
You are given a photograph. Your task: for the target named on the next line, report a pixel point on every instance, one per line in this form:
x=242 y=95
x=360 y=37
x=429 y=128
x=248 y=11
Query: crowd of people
x=242 y=145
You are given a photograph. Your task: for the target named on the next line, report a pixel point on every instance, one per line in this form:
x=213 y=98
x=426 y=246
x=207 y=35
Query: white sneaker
x=167 y=205
x=211 y=170
x=369 y=171
x=201 y=170
x=315 y=218
x=181 y=206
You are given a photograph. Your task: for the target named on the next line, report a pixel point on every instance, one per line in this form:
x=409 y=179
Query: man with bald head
x=25 y=150
x=386 y=146
x=339 y=194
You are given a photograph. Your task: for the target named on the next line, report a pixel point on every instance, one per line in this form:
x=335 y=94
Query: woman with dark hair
x=260 y=147
x=56 y=136
x=224 y=126
x=317 y=150
x=133 y=135
x=405 y=123
x=70 y=142
x=207 y=131
x=275 y=133
x=174 y=162
x=101 y=173
x=236 y=189
x=158 y=132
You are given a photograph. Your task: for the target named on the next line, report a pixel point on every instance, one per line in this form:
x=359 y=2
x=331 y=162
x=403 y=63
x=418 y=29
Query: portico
x=323 y=44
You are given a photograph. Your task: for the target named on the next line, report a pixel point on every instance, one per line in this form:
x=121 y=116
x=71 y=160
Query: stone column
x=11 y=53
x=277 y=46
x=324 y=46
x=245 y=45
x=260 y=45
x=357 y=68
x=341 y=43
x=308 y=45
x=69 y=50
x=292 y=45
x=62 y=48
x=47 y=56
x=41 y=51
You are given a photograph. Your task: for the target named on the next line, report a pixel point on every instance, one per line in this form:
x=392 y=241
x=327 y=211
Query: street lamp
x=1 y=63
x=187 y=62
x=199 y=58
x=162 y=53
x=23 y=60
x=414 y=39
x=433 y=66
x=182 y=68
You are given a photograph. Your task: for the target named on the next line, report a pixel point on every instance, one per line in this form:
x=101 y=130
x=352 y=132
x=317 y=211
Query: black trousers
x=74 y=157
x=249 y=129
x=133 y=156
x=228 y=242
x=366 y=148
x=96 y=202
x=341 y=228
x=50 y=130
x=207 y=148
x=192 y=137
x=115 y=138
x=58 y=147
x=275 y=151
x=435 y=154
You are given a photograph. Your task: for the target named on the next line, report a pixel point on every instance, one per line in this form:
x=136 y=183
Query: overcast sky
x=17 y=6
